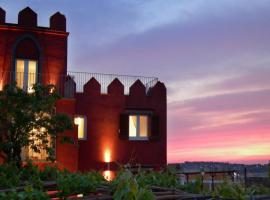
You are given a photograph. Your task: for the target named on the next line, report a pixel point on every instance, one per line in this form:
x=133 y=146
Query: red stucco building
x=120 y=119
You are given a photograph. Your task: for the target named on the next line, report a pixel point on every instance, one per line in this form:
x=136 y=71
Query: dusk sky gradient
x=214 y=57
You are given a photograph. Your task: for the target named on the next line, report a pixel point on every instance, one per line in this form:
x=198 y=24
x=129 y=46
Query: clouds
x=207 y=46
x=224 y=127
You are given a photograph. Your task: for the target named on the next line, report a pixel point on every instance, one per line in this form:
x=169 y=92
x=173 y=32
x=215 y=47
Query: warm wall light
x=52 y=80
x=1 y=83
x=52 y=90
x=107 y=156
x=108 y=175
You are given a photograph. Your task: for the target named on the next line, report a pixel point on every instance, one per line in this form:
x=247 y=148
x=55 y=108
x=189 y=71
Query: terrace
x=68 y=84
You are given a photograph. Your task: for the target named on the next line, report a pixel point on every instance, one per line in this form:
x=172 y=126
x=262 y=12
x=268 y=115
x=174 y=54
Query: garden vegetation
x=23 y=112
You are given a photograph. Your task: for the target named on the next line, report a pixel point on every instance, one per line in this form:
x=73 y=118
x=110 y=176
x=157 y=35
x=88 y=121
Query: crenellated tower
x=30 y=53
x=117 y=118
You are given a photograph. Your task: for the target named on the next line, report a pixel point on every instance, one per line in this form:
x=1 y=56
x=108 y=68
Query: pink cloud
x=232 y=127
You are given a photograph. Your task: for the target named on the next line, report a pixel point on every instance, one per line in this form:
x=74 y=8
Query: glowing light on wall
x=107 y=156
x=108 y=174
x=1 y=85
x=52 y=79
x=52 y=90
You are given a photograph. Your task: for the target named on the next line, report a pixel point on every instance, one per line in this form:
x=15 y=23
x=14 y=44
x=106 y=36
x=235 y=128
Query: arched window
x=26 y=57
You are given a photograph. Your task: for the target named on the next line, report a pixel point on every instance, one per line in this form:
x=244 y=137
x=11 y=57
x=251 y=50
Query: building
x=120 y=119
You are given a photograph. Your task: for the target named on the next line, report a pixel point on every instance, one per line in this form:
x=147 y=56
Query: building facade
x=118 y=119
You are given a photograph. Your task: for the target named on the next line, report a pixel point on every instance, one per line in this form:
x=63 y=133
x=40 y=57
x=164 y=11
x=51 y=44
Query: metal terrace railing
x=81 y=78
x=65 y=83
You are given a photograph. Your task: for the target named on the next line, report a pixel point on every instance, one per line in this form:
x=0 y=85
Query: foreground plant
x=77 y=183
x=11 y=176
x=155 y=178
x=29 y=193
x=125 y=186
x=258 y=190
x=228 y=189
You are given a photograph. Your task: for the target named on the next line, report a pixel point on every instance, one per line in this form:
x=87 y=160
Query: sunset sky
x=214 y=57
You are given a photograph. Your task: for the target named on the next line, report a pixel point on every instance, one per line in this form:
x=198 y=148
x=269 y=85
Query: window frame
x=84 y=128
x=138 y=114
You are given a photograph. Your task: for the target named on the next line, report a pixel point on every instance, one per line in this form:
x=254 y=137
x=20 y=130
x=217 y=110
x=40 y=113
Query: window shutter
x=155 y=130
x=124 y=126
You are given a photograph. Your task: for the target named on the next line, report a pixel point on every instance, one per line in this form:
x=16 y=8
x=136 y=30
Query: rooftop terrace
x=74 y=81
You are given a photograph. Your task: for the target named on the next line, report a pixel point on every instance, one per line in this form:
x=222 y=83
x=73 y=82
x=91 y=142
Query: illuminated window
x=138 y=127
x=82 y=126
x=26 y=74
x=28 y=153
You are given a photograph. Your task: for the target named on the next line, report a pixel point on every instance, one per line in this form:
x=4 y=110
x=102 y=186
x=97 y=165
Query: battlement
x=89 y=83
x=137 y=89
x=27 y=18
x=112 y=84
x=31 y=41
x=105 y=81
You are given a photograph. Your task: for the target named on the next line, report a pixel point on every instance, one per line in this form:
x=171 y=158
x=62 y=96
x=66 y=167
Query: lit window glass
x=19 y=73
x=132 y=126
x=32 y=74
x=138 y=127
x=28 y=153
x=81 y=122
x=26 y=74
x=143 y=126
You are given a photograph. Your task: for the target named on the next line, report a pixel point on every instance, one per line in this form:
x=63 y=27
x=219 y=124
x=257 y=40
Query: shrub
x=9 y=176
x=49 y=174
x=29 y=193
x=76 y=183
x=125 y=186
x=192 y=187
x=227 y=189
x=258 y=190
x=153 y=178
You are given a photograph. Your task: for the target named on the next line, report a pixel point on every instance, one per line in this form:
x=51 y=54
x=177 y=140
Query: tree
x=29 y=120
